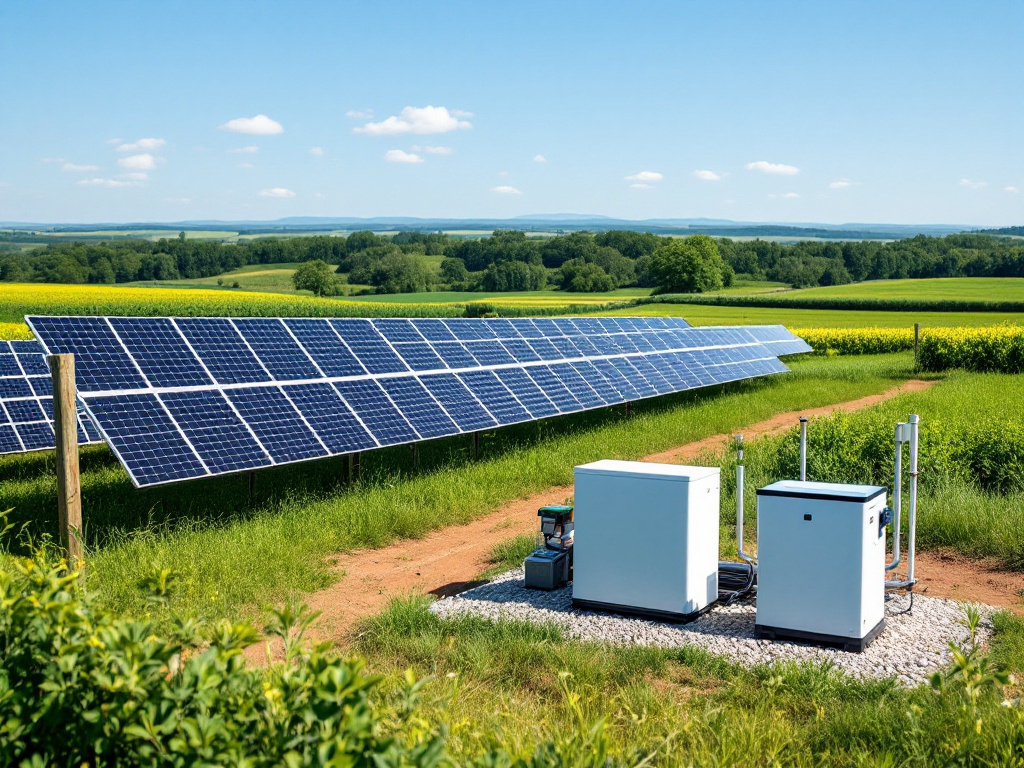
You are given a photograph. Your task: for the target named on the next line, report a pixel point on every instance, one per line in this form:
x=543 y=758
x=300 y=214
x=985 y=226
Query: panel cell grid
x=187 y=397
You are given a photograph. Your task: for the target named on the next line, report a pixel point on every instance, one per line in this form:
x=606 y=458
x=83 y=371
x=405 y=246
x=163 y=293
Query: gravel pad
x=911 y=647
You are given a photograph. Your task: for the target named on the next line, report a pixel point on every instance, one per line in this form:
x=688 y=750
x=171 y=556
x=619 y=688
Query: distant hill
x=1015 y=231
x=536 y=222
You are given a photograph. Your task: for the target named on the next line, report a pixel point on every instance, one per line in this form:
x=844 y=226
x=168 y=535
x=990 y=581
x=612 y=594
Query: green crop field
x=950 y=288
x=702 y=314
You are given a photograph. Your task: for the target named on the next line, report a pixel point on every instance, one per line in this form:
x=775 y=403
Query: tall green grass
x=971 y=461
x=231 y=556
x=517 y=685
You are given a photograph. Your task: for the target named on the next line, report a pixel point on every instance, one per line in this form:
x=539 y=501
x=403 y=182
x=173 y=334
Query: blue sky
x=770 y=111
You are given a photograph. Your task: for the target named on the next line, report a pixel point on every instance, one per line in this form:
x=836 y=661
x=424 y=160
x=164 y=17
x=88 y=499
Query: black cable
x=909 y=607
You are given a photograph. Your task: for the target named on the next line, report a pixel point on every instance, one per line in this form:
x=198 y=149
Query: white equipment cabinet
x=646 y=539
x=821 y=562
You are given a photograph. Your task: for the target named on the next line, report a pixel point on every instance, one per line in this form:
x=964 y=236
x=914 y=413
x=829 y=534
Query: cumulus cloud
x=73 y=168
x=318 y=151
x=1011 y=190
x=401 y=156
x=112 y=183
x=840 y=184
x=252 y=149
x=143 y=162
x=973 y=184
x=142 y=145
x=359 y=114
x=260 y=125
x=705 y=175
x=539 y=159
x=778 y=169
x=434 y=150
x=645 y=176
x=506 y=190
x=276 y=192
x=417 y=120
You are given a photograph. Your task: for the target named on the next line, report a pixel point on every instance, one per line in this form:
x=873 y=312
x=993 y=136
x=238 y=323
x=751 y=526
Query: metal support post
x=803 y=448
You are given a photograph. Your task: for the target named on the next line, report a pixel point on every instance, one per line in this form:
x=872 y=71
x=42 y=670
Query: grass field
x=701 y=314
x=951 y=288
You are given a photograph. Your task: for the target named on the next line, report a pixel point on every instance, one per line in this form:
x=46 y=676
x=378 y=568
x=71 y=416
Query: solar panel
x=26 y=401
x=190 y=397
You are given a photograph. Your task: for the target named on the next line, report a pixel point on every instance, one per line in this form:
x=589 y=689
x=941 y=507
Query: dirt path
x=445 y=561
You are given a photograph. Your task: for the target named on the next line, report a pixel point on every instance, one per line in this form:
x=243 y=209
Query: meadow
x=937 y=288
x=515 y=688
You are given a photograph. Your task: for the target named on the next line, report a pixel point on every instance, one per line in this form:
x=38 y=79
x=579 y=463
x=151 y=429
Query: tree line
x=509 y=260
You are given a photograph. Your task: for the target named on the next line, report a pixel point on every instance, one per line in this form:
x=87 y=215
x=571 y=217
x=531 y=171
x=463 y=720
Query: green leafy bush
x=79 y=686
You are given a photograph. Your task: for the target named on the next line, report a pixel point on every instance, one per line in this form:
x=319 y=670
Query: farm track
x=448 y=560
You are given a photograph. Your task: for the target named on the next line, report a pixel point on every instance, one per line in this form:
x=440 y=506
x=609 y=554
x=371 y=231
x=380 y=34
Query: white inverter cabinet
x=646 y=540
x=821 y=562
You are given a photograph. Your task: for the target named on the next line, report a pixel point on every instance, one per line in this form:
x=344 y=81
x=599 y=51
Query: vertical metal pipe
x=739 y=502
x=912 y=521
x=897 y=498
x=803 y=448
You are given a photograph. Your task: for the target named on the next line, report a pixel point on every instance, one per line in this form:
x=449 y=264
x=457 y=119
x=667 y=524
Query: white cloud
x=778 y=169
x=645 y=176
x=418 y=120
x=359 y=114
x=505 y=190
x=318 y=151
x=260 y=125
x=276 y=192
x=72 y=168
x=144 y=162
x=705 y=175
x=142 y=145
x=539 y=159
x=133 y=176
x=401 y=156
x=639 y=186
x=973 y=184
x=108 y=183
x=435 y=150
x=252 y=149
x=1011 y=190
x=840 y=184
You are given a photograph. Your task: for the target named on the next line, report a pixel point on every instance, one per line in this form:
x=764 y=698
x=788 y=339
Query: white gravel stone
x=910 y=648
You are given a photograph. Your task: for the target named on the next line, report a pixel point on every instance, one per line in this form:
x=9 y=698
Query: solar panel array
x=26 y=401
x=180 y=398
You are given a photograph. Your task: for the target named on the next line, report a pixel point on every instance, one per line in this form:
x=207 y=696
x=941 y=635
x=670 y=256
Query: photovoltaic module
x=181 y=398
x=26 y=401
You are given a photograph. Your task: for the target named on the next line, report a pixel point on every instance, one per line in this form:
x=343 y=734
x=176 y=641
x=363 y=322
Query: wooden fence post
x=65 y=426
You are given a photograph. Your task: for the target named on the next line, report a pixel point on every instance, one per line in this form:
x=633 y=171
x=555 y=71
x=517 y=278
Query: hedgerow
x=997 y=349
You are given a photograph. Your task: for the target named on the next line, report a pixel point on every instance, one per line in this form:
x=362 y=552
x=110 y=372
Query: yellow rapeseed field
x=20 y=299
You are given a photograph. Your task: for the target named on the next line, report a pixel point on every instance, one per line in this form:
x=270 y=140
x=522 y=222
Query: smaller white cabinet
x=821 y=562
x=646 y=538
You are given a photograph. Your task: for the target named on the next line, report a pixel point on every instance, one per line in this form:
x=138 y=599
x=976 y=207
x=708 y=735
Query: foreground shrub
x=79 y=686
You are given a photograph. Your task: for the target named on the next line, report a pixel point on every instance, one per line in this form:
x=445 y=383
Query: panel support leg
x=476 y=445
x=65 y=427
x=252 y=485
x=415 y=455
x=628 y=411
x=355 y=466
